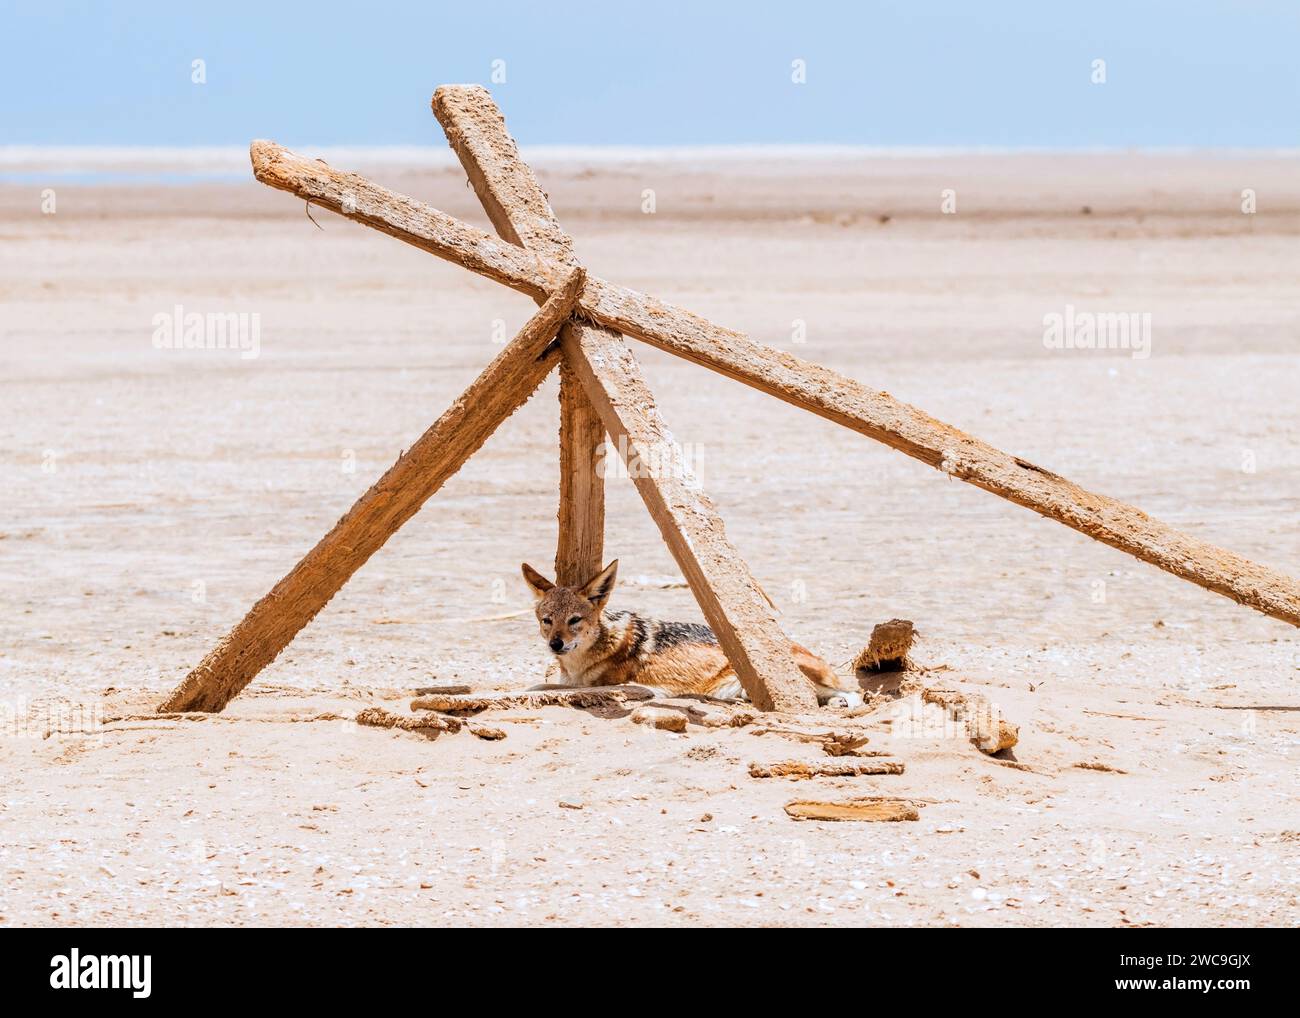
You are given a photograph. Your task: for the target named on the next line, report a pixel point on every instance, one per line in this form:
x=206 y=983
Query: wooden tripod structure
x=602 y=391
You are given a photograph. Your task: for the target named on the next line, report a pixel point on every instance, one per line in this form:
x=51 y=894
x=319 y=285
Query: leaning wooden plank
x=739 y=615
x=403 y=217
x=521 y=213
x=504 y=183
x=276 y=619
x=814 y=388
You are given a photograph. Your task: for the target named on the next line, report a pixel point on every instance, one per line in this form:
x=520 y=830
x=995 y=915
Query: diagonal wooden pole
x=810 y=386
x=736 y=610
x=276 y=619
x=598 y=361
x=521 y=213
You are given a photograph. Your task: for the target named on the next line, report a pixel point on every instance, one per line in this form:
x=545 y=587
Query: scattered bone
x=853 y=809
x=657 y=717
x=377 y=717
x=988 y=730
x=880 y=664
x=824 y=768
x=594 y=696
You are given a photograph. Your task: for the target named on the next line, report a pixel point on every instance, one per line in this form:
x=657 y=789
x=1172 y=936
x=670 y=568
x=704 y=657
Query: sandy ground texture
x=150 y=496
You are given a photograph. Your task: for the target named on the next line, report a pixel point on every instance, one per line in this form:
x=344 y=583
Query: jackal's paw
x=843 y=698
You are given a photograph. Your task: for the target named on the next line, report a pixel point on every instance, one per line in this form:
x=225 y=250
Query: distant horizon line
x=221 y=160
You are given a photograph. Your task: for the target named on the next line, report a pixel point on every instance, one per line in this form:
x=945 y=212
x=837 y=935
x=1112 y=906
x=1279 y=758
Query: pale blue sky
x=889 y=72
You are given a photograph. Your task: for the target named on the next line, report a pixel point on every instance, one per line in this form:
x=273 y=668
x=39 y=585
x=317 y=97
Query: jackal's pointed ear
x=599 y=587
x=537 y=583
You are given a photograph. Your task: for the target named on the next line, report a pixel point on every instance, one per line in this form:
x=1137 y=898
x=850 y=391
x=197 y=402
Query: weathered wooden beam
x=737 y=612
x=521 y=213
x=580 y=545
x=277 y=618
x=512 y=198
x=814 y=388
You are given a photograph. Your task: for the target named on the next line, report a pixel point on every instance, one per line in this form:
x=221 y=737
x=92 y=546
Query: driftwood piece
x=521 y=214
x=377 y=717
x=277 y=618
x=736 y=610
x=853 y=809
x=589 y=696
x=880 y=665
x=824 y=768
x=823 y=392
x=988 y=730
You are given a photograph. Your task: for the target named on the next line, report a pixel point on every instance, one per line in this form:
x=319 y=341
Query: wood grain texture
x=521 y=213
x=735 y=609
x=580 y=546
x=867 y=411
x=277 y=618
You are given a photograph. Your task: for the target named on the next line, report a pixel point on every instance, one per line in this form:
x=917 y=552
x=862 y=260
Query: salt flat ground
x=150 y=496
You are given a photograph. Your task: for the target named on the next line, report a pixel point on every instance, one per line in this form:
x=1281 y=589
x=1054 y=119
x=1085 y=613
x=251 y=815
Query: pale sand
x=173 y=469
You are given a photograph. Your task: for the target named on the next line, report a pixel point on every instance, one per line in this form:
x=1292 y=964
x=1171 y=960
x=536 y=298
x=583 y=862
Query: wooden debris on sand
x=593 y=696
x=988 y=730
x=880 y=665
x=377 y=717
x=824 y=768
x=853 y=809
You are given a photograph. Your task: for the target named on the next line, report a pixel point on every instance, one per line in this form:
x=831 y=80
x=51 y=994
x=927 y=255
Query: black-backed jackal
x=597 y=647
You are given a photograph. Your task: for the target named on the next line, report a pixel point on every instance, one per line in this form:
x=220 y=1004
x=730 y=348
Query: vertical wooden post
x=580 y=548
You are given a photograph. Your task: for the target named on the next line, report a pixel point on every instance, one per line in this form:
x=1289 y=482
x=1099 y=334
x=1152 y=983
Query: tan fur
x=595 y=647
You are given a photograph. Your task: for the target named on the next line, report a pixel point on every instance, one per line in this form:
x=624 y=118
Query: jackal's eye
x=575 y=620
x=546 y=622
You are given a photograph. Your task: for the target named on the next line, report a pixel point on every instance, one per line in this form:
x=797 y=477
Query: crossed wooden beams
x=602 y=391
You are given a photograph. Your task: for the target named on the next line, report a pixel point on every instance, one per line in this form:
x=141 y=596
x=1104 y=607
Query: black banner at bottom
x=138 y=967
